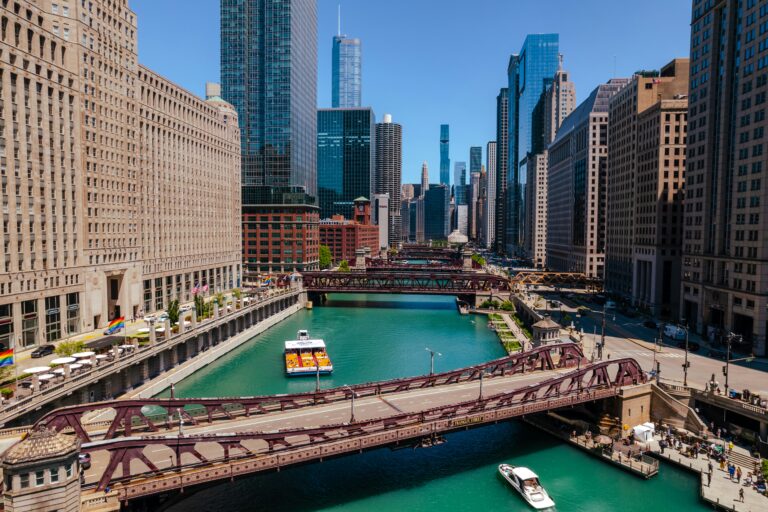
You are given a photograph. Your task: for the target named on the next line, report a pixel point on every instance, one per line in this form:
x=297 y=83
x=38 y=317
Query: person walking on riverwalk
x=731 y=470
x=709 y=478
x=741 y=495
x=709 y=466
x=738 y=474
x=730 y=446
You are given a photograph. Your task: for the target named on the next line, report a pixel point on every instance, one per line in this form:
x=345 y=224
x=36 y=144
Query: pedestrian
x=738 y=474
x=662 y=444
x=719 y=431
x=730 y=446
x=731 y=470
x=709 y=466
x=741 y=494
x=709 y=478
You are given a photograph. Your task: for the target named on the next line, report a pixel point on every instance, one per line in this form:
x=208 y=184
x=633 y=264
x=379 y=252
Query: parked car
x=85 y=460
x=610 y=304
x=43 y=350
x=650 y=324
x=186 y=308
x=692 y=345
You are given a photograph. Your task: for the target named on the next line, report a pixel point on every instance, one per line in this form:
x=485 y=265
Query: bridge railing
x=132 y=413
x=538 y=397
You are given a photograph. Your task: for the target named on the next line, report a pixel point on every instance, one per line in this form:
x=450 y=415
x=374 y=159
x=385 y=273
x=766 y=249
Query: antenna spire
x=338 y=32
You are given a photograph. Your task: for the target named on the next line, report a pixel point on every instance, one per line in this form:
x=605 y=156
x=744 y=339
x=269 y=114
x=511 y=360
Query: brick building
x=343 y=237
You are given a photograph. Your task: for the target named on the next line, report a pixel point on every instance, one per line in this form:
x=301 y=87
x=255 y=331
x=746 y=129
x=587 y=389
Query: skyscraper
x=272 y=83
x=528 y=73
x=346 y=72
x=475 y=158
x=490 y=207
x=460 y=182
x=345 y=159
x=725 y=233
x=424 y=178
x=645 y=194
x=445 y=159
x=502 y=166
x=389 y=170
x=436 y=212
x=577 y=186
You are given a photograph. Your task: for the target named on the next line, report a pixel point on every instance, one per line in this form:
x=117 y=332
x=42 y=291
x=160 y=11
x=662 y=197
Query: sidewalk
x=722 y=492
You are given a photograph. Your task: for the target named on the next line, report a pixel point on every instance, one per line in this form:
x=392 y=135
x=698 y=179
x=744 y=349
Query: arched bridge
x=380 y=414
x=404 y=281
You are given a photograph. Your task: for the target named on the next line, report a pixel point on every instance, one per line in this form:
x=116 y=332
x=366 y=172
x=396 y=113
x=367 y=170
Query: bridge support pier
x=145 y=370
x=632 y=406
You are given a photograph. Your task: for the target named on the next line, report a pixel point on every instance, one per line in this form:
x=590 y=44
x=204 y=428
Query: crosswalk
x=645 y=353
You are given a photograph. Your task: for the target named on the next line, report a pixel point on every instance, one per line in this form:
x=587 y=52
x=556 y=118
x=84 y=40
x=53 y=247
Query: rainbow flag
x=116 y=325
x=6 y=357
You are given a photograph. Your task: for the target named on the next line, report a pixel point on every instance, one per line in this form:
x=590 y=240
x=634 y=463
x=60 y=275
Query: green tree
x=325 y=257
x=344 y=266
x=199 y=306
x=173 y=311
x=237 y=293
x=220 y=299
x=508 y=306
x=67 y=348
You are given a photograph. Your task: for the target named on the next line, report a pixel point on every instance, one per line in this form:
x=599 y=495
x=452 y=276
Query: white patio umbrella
x=63 y=360
x=81 y=355
x=37 y=369
x=46 y=376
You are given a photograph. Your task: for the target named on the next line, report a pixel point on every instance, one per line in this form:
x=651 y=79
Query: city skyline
x=467 y=105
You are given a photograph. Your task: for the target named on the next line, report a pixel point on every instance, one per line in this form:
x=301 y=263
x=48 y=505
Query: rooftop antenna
x=338 y=31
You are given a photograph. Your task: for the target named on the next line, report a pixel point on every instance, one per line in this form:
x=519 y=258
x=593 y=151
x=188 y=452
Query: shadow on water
x=357 y=477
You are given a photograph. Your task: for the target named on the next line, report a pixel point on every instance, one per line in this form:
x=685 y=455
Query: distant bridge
x=544 y=278
x=403 y=281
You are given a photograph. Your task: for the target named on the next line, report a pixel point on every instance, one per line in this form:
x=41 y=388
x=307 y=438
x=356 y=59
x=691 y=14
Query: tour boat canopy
x=304 y=344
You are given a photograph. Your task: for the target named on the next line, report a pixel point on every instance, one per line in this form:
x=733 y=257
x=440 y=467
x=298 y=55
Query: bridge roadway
x=367 y=408
x=143 y=466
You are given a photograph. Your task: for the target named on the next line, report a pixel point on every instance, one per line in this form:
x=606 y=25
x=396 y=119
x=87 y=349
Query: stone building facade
x=74 y=176
x=725 y=239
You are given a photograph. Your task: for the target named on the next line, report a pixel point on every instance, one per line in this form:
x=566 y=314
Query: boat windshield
x=532 y=484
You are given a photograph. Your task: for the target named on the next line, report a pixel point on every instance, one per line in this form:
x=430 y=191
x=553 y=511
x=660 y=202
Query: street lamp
x=432 y=359
x=686 y=364
x=482 y=374
x=352 y=409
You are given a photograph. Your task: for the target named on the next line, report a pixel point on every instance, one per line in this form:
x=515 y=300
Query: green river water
x=375 y=337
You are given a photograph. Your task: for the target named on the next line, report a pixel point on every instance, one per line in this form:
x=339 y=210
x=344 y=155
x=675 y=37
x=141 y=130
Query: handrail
x=43 y=396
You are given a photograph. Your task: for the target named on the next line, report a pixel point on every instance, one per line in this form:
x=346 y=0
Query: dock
x=722 y=493
x=638 y=464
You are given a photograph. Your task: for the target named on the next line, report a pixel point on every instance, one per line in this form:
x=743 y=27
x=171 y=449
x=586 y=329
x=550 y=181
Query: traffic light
x=687 y=364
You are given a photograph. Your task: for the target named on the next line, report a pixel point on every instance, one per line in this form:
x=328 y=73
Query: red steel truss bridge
x=404 y=281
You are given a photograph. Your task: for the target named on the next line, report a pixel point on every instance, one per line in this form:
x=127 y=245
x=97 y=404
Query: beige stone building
x=725 y=229
x=660 y=178
x=576 y=186
x=644 y=198
x=120 y=190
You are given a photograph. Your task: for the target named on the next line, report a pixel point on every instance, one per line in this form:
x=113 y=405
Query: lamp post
x=602 y=338
x=432 y=359
x=686 y=364
x=352 y=409
x=482 y=374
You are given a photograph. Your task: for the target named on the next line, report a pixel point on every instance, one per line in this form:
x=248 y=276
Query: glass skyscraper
x=346 y=73
x=445 y=159
x=345 y=159
x=460 y=182
x=269 y=74
x=437 y=204
x=527 y=72
x=475 y=159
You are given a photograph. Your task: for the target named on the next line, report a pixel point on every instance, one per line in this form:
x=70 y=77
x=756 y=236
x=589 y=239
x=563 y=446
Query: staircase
x=609 y=425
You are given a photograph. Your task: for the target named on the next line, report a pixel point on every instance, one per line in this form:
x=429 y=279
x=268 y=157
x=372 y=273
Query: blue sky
x=429 y=62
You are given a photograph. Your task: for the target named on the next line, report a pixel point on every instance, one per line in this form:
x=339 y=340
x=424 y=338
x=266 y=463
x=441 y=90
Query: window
x=39 y=478
x=69 y=471
x=24 y=480
x=54 y=475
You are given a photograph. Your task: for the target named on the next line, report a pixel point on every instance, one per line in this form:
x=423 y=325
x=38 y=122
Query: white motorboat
x=526 y=482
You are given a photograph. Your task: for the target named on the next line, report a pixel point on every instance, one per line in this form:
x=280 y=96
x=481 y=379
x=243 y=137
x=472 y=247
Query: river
x=375 y=337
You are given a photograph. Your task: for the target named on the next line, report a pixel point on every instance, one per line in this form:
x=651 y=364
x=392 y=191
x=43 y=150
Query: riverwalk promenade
x=722 y=492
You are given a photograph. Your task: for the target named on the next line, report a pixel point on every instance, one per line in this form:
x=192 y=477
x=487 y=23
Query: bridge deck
x=412 y=401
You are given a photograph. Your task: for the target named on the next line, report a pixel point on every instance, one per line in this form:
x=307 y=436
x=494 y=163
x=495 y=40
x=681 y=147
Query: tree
x=237 y=293
x=220 y=299
x=67 y=348
x=508 y=306
x=199 y=306
x=344 y=266
x=173 y=311
x=325 y=257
